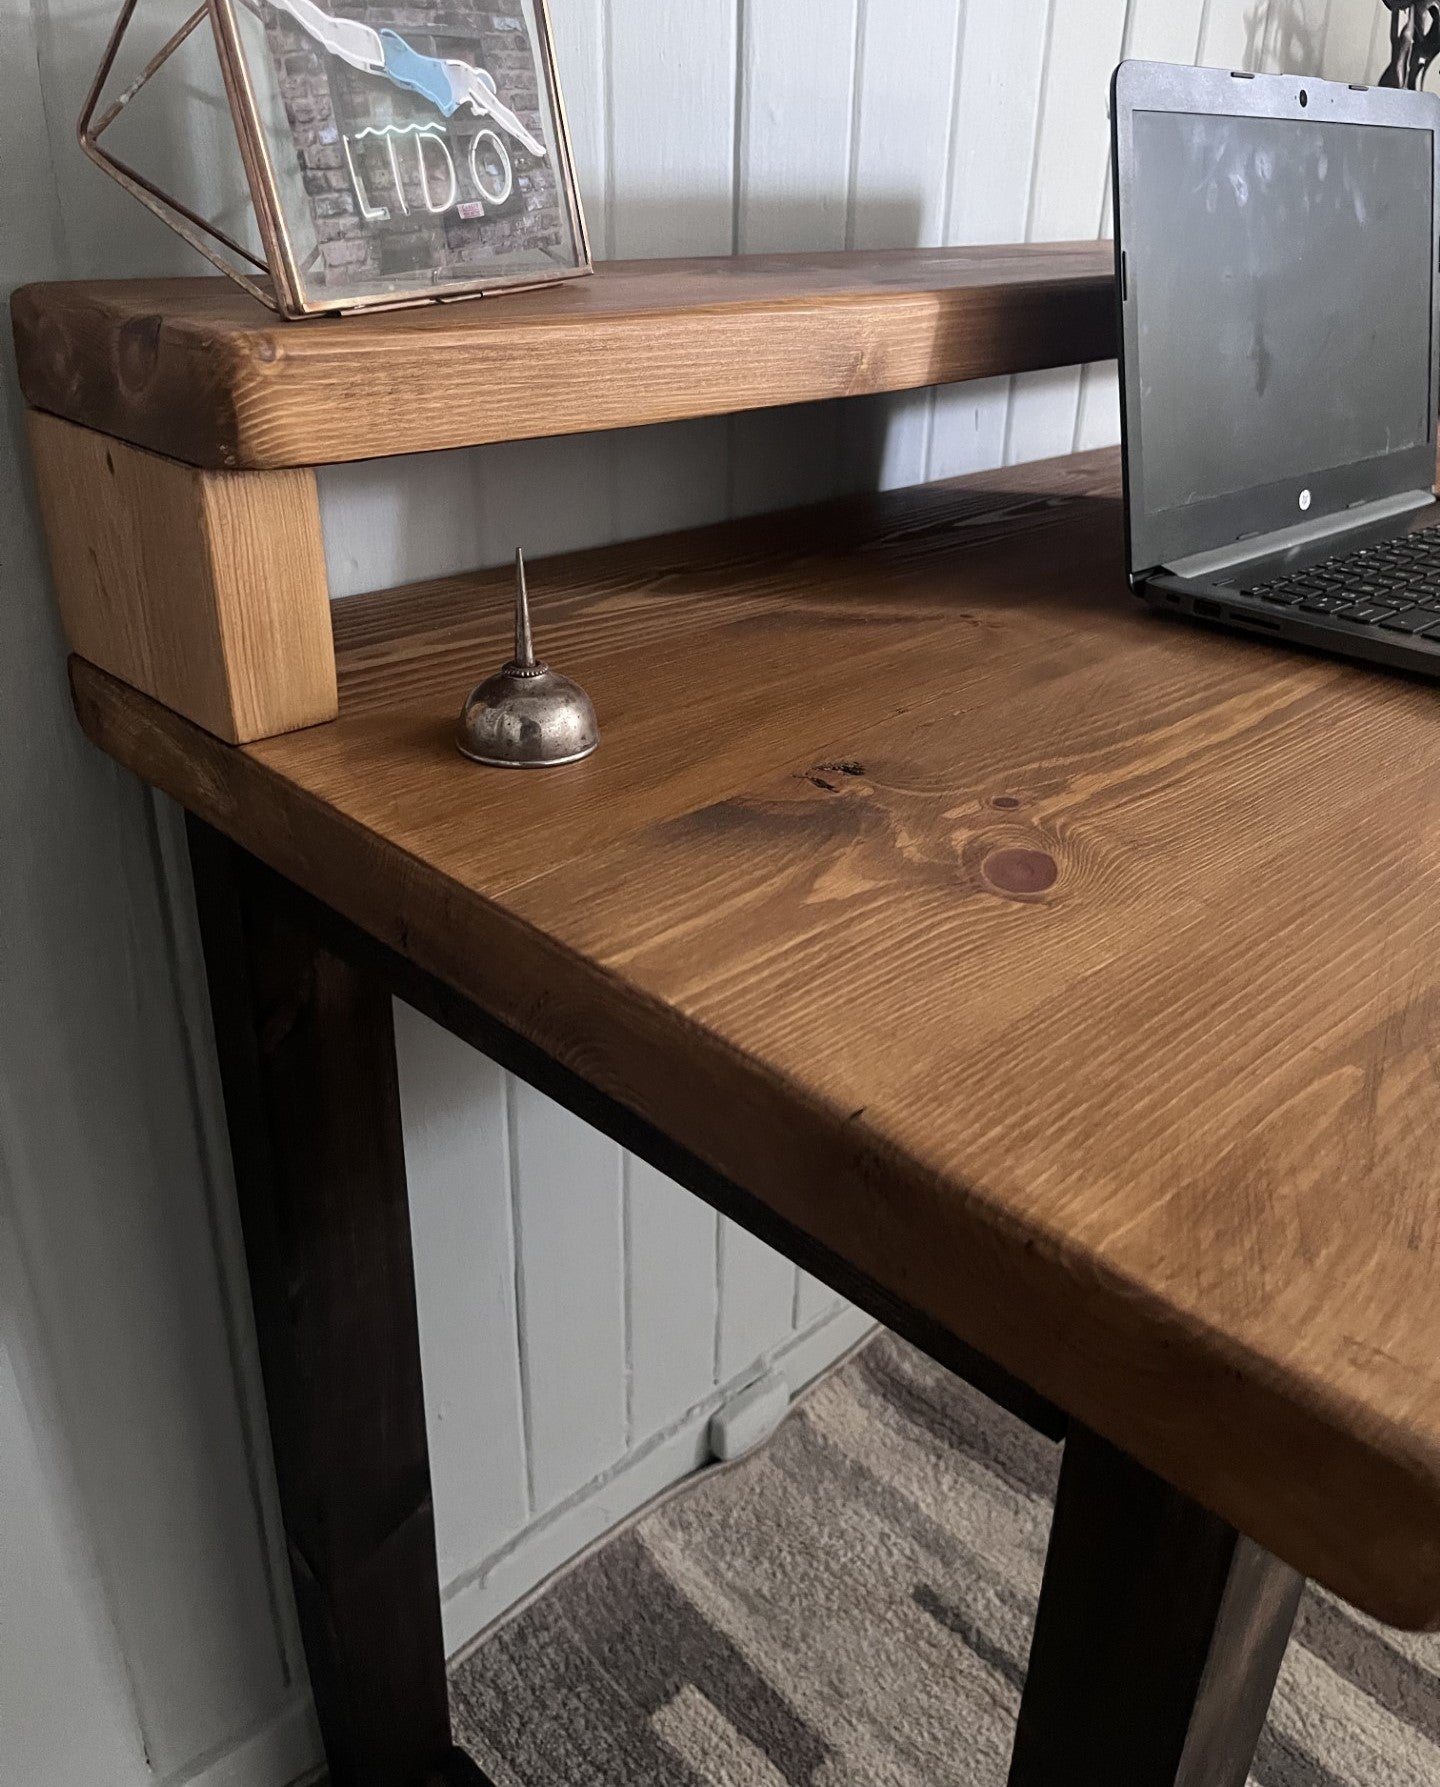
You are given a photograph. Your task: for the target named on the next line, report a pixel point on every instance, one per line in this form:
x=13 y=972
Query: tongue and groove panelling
x=579 y=1314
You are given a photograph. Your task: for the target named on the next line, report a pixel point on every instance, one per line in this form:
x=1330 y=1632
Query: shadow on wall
x=120 y=1326
x=1291 y=43
x=812 y=451
x=119 y=1294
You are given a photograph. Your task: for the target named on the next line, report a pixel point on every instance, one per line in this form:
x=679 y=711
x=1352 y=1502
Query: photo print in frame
x=402 y=152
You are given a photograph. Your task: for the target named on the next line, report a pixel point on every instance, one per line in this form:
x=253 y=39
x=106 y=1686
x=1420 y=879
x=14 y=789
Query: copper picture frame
x=347 y=206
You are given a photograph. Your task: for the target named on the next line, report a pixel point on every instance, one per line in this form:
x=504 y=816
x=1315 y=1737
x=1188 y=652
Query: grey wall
x=580 y=1317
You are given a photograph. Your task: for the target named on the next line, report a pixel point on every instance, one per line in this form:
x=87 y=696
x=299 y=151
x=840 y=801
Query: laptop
x=1276 y=248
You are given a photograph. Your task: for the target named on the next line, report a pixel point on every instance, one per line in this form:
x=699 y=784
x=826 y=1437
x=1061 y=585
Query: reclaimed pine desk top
x=1073 y=973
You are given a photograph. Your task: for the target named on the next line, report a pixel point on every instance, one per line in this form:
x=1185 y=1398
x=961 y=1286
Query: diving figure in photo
x=445 y=81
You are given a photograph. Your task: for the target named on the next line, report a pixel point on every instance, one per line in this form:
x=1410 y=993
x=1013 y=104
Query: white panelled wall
x=580 y=1316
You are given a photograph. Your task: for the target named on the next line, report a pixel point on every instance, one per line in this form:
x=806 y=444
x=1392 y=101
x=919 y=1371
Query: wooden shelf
x=196 y=370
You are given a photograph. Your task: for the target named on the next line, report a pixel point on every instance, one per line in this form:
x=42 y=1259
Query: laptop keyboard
x=1395 y=585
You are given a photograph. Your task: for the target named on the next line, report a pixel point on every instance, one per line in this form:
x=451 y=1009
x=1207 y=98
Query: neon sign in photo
x=450 y=85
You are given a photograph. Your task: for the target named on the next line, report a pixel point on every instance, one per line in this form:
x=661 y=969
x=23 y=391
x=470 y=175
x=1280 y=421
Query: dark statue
x=1414 y=42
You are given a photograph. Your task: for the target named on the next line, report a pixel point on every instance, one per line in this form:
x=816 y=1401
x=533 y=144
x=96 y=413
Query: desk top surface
x=1072 y=972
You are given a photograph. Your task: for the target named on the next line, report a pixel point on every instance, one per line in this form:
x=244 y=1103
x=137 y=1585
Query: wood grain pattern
x=1071 y=972
x=195 y=369
x=205 y=589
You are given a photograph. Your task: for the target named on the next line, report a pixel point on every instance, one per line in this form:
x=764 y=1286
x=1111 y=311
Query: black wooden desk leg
x=307 y=1058
x=1158 y=1638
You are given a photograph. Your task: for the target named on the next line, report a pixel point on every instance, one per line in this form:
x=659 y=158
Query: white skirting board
x=480 y=1597
x=285 y=1749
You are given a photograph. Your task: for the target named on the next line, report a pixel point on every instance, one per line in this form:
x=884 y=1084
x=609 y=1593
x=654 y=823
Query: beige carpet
x=851 y=1607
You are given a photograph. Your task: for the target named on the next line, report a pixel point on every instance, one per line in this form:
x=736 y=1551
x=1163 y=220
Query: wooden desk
x=1057 y=983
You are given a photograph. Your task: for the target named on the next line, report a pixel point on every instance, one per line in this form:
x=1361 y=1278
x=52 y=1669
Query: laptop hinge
x=1304 y=533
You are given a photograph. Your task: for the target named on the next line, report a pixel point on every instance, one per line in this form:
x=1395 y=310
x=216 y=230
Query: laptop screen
x=1281 y=269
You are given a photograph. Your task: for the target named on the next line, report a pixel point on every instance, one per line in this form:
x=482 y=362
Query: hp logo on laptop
x=1304 y=499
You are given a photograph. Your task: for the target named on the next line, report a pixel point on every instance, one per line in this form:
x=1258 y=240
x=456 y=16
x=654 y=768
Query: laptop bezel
x=1156 y=538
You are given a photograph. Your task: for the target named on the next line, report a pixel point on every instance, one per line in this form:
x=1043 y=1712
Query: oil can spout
x=524 y=642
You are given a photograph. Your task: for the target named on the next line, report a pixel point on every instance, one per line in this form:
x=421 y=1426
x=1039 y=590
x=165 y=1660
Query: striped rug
x=851 y=1607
